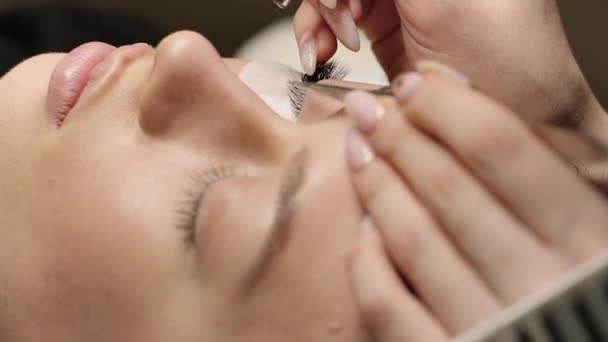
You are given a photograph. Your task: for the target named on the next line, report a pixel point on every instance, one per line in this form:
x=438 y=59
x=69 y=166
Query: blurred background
x=229 y=23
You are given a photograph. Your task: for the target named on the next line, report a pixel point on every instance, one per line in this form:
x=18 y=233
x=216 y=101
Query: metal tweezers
x=573 y=144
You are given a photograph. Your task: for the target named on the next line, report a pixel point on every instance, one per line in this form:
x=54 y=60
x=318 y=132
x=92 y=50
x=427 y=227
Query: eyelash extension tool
x=572 y=144
x=573 y=310
x=339 y=93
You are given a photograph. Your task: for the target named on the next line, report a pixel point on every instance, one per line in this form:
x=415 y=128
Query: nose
x=193 y=95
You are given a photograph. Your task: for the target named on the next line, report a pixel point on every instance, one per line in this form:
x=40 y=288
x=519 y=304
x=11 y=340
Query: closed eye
x=199 y=185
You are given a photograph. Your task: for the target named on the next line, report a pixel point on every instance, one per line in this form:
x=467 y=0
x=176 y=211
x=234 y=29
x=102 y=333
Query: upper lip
x=71 y=76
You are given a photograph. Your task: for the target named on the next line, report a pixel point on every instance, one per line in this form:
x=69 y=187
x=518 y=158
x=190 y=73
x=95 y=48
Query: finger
x=392 y=55
x=342 y=23
x=382 y=25
x=444 y=281
x=388 y=310
x=503 y=153
x=471 y=216
x=377 y=18
x=594 y=174
x=572 y=145
x=316 y=41
x=331 y=4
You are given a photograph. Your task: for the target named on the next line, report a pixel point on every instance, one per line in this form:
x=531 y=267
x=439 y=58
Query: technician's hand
x=475 y=211
x=515 y=51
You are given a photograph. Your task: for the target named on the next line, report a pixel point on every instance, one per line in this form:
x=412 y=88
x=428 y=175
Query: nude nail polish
x=405 y=85
x=341 y=22
x=365 y=109
x=358 y=152
x=367 y=225
x=308 y=53
x=331 y=4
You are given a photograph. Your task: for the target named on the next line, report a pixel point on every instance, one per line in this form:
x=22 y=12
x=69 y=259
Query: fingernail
x=358 y=152
x=308 y=53
x=365 y=109
x=367 y=226
x=331 y=4
x=426 y=67
x=405 y=85
x=341 y=22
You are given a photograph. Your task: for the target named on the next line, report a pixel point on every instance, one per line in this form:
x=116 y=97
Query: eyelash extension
x=201 y=182
x=330 y=70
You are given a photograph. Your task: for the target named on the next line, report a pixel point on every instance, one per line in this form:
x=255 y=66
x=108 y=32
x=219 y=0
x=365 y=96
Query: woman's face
x=172 y=204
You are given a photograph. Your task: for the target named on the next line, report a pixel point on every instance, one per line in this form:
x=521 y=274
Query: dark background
x=227 y=23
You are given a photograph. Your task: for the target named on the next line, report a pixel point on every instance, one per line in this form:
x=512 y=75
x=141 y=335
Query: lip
x=70 y=77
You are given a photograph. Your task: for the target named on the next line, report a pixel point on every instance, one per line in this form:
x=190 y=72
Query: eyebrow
x=281 y=228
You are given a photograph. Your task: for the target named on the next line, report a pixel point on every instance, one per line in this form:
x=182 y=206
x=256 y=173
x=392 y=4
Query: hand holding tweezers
x=573 y=144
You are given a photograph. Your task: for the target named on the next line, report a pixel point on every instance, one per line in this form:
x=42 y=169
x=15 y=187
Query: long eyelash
x=331 y=70
x=201 y=182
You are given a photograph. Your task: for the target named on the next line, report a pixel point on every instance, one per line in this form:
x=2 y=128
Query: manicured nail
x=365 y=109
x=405 y=85
x=341 y=22
x=426 y=67
x=358 y=152
x=308 y=53
x=331 y=4
x=367 y=226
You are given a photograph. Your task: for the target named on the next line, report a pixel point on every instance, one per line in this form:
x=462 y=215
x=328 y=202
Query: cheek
x=101 y=250
x=102 y=259
x=327 y=224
